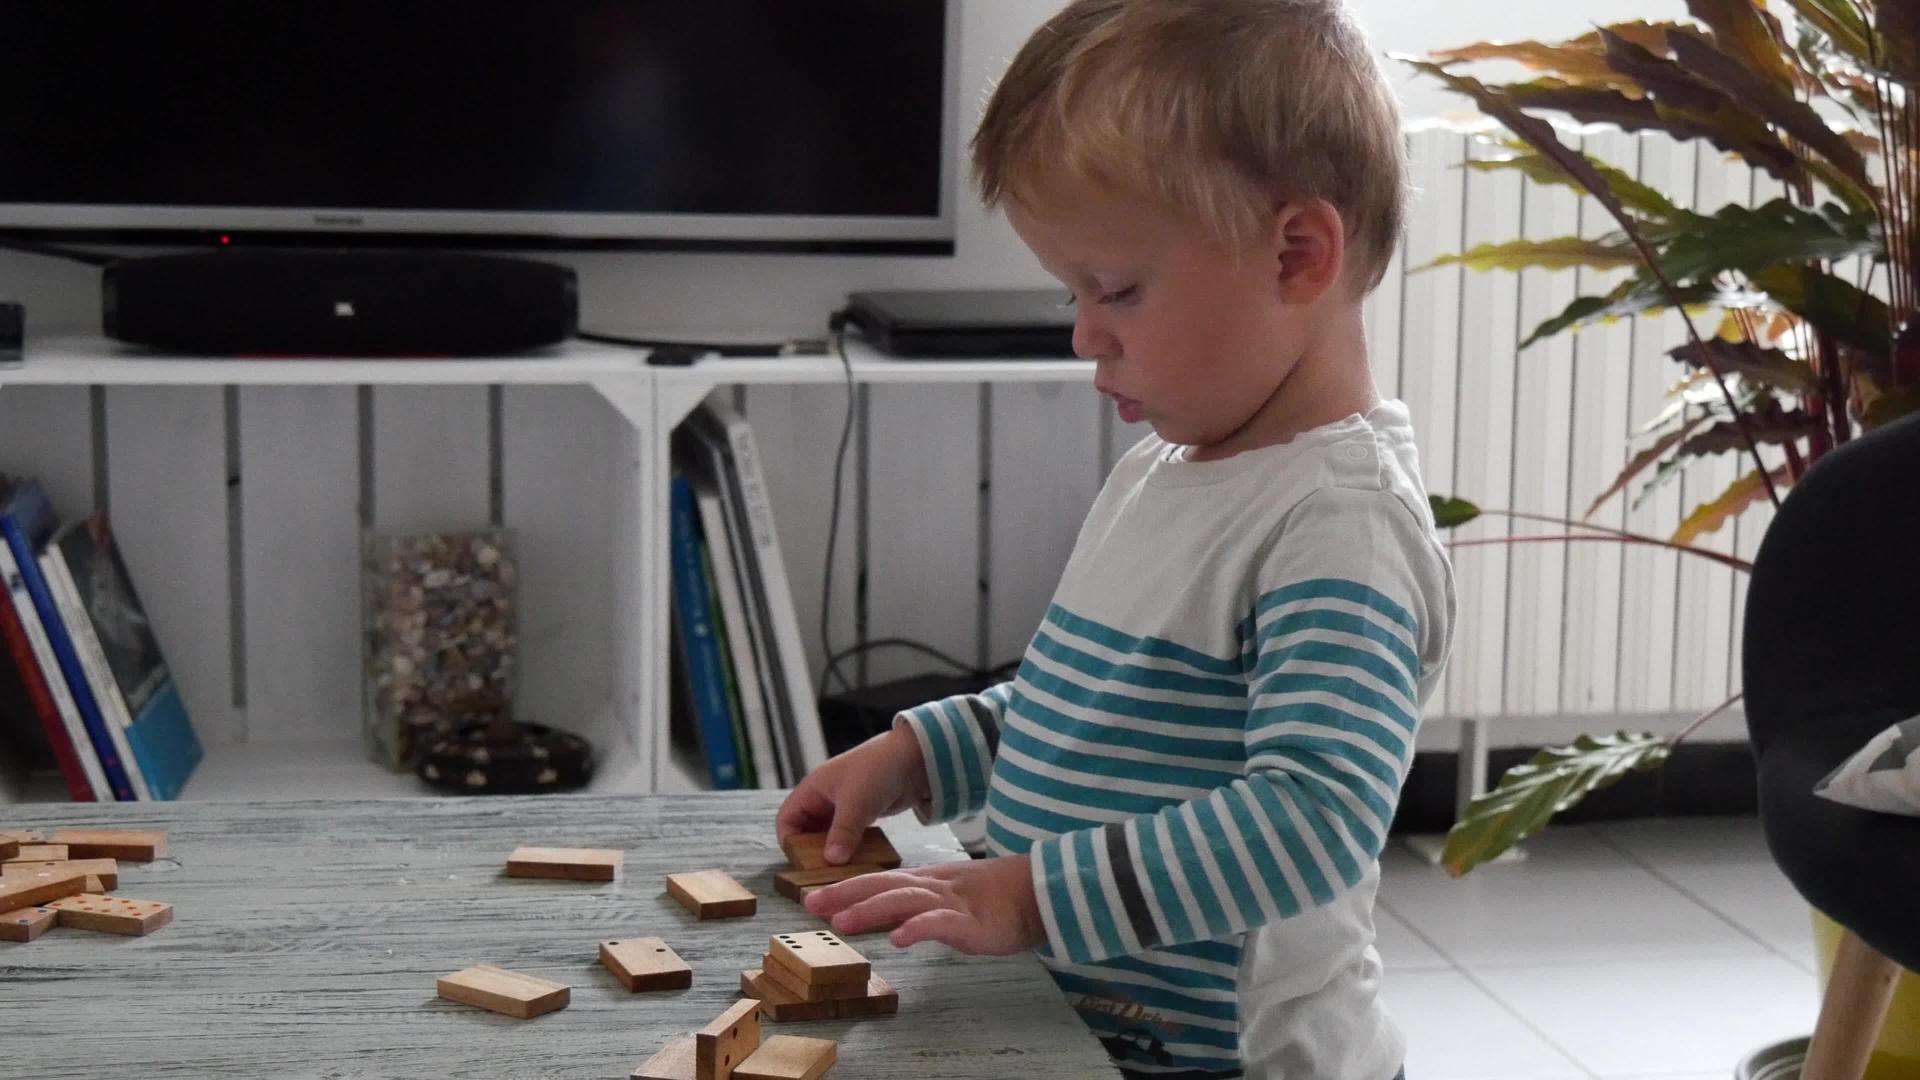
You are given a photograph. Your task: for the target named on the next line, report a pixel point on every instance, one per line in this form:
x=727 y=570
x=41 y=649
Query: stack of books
x=80 y=669
x=741 y=689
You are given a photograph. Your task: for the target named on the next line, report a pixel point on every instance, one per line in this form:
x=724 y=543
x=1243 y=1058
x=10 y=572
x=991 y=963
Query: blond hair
x=1216 y=108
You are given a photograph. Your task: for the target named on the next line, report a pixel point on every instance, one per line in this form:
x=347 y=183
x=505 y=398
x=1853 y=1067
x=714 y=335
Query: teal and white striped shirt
x=1204 y=745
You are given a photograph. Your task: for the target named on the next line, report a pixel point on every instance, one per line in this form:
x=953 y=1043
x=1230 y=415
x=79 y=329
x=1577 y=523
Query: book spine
x=40 y=672
x=93 y=661
x=693 y=614
x=786 y=622
x=741 y=637
x=68 y=659
x=735 y=710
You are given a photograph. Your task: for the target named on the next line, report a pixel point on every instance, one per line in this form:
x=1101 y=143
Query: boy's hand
x=985 y=907
x=879 y=778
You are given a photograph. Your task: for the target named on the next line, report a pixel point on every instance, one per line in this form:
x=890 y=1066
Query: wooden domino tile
x=818 y=958
x=726 y=1042
x=31 y=888
x=788 y=1057
x=880 y=999
x=9 y=847
x=807 y=851
x=127 y=845
x=798 y=990
x=711 y=894
x=102 y=874
x=507 y=992
x=27 y=923
x=21 y=837
x=646 y=964
x=567 y=864
x=40 y=853
x=112 y=914
x=796 y=884
x=674 y=1062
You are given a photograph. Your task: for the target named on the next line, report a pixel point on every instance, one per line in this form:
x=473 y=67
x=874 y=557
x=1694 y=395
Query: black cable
x=53 y=251
x=752 y=348
x=837 y=329
x=921 y=647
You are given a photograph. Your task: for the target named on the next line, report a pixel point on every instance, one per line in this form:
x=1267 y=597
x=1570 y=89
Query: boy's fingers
x=887 y=910
x=833 y=898
x=849 y=824
x=805 y=807
x=945 y=925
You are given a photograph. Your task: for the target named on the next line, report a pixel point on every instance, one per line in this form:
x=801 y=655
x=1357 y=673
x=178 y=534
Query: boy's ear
x=1309 y=248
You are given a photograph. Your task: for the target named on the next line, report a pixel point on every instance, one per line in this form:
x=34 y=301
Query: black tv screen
x=675 y=122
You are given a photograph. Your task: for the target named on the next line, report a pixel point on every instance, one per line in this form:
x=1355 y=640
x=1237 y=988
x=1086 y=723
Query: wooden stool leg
x=1855 y=1005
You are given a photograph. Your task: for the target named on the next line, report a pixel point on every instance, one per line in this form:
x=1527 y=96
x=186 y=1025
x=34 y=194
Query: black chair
x=1832 y=658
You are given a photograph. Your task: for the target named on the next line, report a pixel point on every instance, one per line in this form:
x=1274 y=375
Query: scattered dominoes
x=807 y=851
x=26 y=923
x=646 y=964
x=731 y=1048
x=127 y=845
x=814 y=975
x=788 y=1057
x=9 y=847
x=103 y=875
x=32 y=888
x=112 y=914
x=711 y=894
x=510 y=993
x=567 y=864
x=39 y=853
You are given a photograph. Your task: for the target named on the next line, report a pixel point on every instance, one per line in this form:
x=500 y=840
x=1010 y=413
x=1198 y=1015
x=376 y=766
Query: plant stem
x=1706 y=716
x=1719 y=557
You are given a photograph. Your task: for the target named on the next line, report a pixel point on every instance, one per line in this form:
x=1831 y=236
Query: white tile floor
x=1651 y=950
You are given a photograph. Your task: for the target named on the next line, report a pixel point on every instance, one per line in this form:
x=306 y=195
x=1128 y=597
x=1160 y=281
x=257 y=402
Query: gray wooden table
x=307 y=937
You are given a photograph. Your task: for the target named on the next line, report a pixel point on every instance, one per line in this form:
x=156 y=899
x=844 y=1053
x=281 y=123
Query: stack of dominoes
x=814 y=975
x=731 y=1048
x=64 y=880
x=808 y=869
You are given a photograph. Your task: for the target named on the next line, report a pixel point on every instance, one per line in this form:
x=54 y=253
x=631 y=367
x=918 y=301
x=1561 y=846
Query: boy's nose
x=1090 y=341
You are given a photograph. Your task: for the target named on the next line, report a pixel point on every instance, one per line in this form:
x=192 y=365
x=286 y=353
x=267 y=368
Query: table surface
x=306 y=939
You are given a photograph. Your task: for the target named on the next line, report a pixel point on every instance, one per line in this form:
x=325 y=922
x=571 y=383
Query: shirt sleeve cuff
x=1074 y=882
x=953 y=748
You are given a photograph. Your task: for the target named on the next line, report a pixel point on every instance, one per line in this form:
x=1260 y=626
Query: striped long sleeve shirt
x=1204 y=744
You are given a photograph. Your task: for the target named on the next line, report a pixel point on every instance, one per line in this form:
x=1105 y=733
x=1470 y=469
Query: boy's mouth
x=1130 y=410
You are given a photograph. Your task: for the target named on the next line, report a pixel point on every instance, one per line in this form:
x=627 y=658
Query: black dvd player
x=950 y=324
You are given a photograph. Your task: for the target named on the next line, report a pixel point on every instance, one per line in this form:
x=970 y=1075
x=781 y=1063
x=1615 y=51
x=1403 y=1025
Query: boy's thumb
x=849 y=824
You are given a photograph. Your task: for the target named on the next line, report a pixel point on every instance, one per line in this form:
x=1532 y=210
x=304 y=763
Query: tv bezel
x=248 y=226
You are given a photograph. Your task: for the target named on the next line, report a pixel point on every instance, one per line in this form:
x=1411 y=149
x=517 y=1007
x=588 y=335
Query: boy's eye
x=1118 y=296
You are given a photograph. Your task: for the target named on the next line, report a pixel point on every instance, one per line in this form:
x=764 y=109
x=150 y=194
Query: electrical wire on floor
x=837 y=335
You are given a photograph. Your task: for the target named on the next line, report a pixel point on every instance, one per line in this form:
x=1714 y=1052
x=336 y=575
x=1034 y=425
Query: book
x=42 y=690
x=741 y=634
x=756 y=510
x=735 y=711
x=26 y=523
x=693 y=622
x=123 y=656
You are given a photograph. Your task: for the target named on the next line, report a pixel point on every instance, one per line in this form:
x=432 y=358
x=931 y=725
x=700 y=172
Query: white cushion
x=1884 y=775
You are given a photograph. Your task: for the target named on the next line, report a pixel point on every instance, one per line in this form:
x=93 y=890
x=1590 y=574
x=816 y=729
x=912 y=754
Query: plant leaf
x=1558 y=253
x=1841 y=24
x=1632 y=297
x=1556 y=779
x=1748 y=239
x=1829 y=304
x=1632 y=193
x=1641 y=460
x=1666 y=473
x=1450 y=511
x=1769 y=366
x=1889 y=407
x=1771 y=100
x=1651 y=36
x=1576 y=65
x=1744 y=38
x=1725 y=126
x=1898 y=22
x=1742 y=493
x=1774 y=427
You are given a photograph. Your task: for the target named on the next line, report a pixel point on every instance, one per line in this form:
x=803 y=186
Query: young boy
x=1188 y=784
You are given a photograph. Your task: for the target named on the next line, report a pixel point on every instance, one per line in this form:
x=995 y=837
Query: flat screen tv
x=706 y=124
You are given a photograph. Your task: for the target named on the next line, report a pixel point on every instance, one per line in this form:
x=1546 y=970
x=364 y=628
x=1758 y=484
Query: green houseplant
x=1804 y=356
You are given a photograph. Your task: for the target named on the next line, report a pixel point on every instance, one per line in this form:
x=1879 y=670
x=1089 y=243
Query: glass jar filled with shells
x=439 y=620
